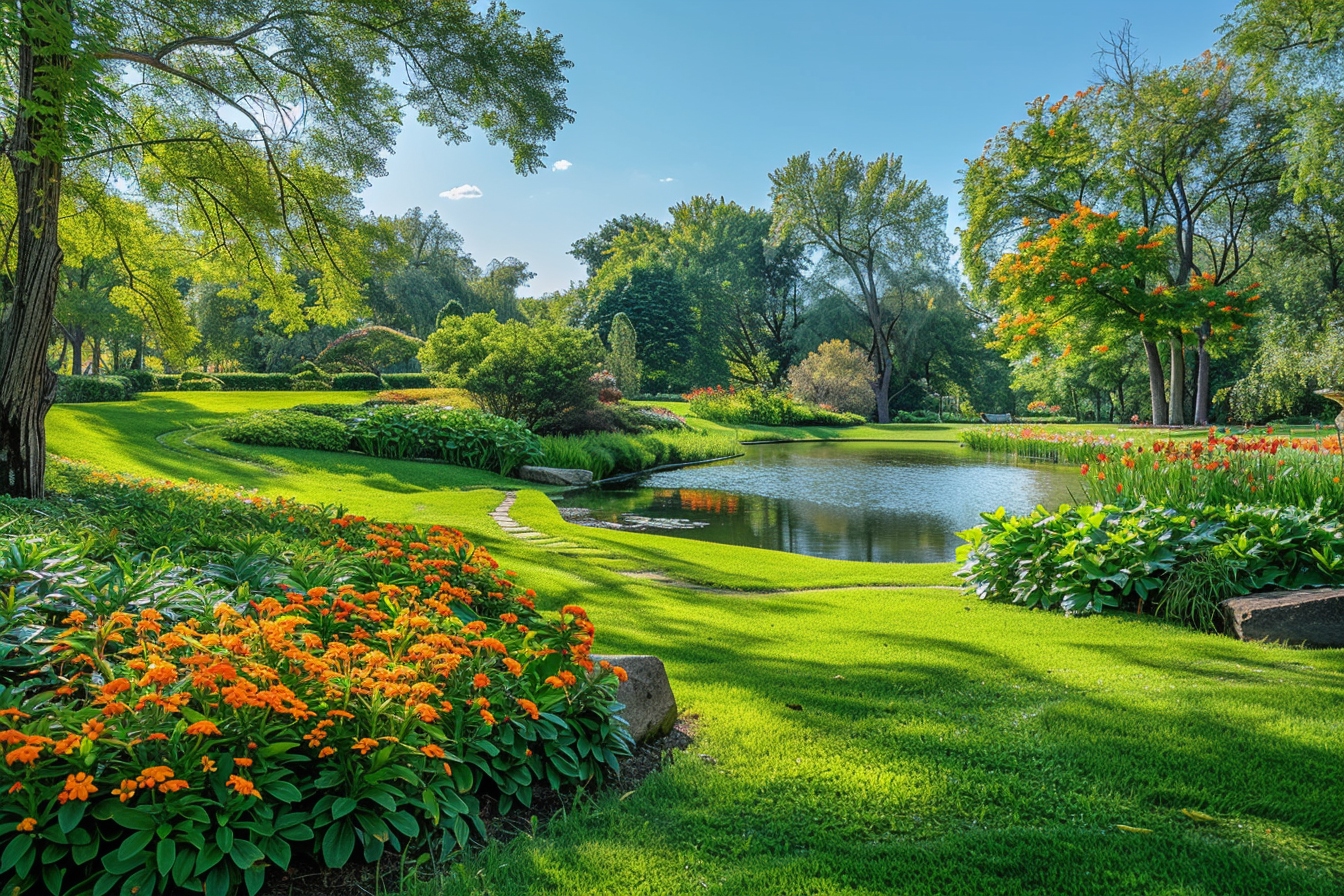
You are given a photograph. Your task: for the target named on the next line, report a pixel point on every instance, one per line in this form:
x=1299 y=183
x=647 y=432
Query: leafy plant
x=288 y=429
x=762 y=407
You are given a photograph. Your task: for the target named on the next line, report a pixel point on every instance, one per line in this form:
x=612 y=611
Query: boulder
x=1313 y=618
x=556 y=475
x=650 y=709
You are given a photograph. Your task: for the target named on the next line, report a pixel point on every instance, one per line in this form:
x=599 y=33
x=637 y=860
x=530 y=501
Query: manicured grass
x=942 y=745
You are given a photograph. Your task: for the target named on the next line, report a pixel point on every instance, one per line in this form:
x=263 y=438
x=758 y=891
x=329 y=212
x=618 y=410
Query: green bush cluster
x=608 y=453
x=356 y=382
x=467 y=438
x=1095 y=558
x=252 y=382
x=84 y=389
x=408 y=381
x=288 y=428
x=764 y=408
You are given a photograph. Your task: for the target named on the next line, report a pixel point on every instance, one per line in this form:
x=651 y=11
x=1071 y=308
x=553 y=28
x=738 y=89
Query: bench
x=997 y=418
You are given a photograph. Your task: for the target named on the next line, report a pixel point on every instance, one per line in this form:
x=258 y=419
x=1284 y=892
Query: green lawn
x=943 y=745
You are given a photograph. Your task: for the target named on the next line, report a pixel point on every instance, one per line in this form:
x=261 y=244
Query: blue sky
x=673 y=100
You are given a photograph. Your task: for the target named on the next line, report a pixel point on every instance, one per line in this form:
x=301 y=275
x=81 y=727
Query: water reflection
x=853 y=501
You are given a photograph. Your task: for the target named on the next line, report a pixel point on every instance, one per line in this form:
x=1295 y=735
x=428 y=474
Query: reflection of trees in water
x=697 y=500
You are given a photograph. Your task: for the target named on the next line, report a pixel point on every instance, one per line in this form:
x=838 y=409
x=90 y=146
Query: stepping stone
x=1312 y=618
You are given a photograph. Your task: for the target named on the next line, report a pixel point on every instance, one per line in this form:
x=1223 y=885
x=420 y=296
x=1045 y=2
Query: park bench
x=997 y=418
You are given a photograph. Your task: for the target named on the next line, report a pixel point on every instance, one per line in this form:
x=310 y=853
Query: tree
x=418 y=266
x=744 y=287
x=838 y=375
x=458 y=345
x=653 y=299
x=593 y=250
x=623 y=358
x=1194 y=147
x=371 y=349
x=252 y=126
x=885 y=230
x=497 y=289
x=537 y=375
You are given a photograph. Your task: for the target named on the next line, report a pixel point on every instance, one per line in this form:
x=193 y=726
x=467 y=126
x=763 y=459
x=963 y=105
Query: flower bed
x=180 y=730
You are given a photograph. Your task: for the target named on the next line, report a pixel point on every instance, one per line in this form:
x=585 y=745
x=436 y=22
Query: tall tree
x=623 y=355
x=252 y=124
x=1194 y=147
x=593 y=250
x=887 y=231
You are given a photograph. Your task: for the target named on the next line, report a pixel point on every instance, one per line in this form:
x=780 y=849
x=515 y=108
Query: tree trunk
x=27 y=384
x=138 y=362
x=1202 y=376
x=77 y=355
x=1156 y=384
x=96 y=362
x=1177 y=408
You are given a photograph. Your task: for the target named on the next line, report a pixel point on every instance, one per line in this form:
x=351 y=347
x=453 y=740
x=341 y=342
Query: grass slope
x=943 y=746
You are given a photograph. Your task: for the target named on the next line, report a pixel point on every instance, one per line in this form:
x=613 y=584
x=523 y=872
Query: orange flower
x=242 y=762
x=426 y=713
x=93 y=729
x=621 y=675
x=325 y=752
x=480 y=680
x=126 y=790
x=489 y=719
x=27 y=755
x=203 y=728
x=508 y=618
x=243 y=787
x=173 y=786
x=15 y=787
x=515 y=668
x=208 y=764
x=27 y=825
x=530 y=708
x=432 y=751
x=364 y=745
x=77 y=787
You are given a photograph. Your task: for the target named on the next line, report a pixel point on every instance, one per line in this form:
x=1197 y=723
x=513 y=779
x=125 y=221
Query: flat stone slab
x=650 y=708
x=1311 y=618
x=556 y=475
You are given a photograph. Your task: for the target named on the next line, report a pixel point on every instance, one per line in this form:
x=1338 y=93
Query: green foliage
x=609 y=453
x=356 y=382
x=465 y=438
x=1192 y=594
x=140 y=381
x=757 y=406
x=837 y=375
x=623 y=356
x=252 y=382
x=79 y=389
x=288 y=429
x=199 y=383
x=370 y=349
x=407 y=381
x=1106 y=557
x=536 y=375
x=658 y=307
x=458 y=345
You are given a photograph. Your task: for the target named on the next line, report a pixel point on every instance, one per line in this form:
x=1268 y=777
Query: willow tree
x=251 y=124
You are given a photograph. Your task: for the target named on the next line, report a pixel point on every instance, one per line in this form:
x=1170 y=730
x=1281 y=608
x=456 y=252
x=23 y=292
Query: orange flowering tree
x=1090 y=275
x=156 y=753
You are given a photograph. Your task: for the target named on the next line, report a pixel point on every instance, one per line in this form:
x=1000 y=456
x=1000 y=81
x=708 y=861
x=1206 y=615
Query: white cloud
x=666 y=180
x=562 y=165
x=466 y=191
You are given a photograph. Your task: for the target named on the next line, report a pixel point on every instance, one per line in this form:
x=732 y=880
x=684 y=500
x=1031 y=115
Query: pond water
x=874 y=501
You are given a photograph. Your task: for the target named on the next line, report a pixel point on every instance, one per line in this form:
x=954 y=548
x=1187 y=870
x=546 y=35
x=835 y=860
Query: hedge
x=408 y=381
x=83 y=389
x=253 y=382
x=356 y=382
x=288 y=429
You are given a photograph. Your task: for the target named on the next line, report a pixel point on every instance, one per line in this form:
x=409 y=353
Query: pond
x=874 y=501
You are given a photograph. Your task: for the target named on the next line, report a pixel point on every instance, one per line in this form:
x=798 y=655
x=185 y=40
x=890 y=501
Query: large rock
x=556 y=475
x=650 y=709
x=1313 y=618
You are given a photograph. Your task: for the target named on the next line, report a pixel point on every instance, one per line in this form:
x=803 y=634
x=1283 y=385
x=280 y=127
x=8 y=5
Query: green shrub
x=838 y=376
x=760 y=407
x=356 y=382
x=334 y=411
x=608 y=453
x=1105 y=557
x=253 y=382
x=200 y=384
x=166 y=382
x=537 y=375
x=456 y=347
x=289 y=428
x=310 y=380
x=83 y=389
x=139 y=381
x=466 y=438
x=408 y=381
